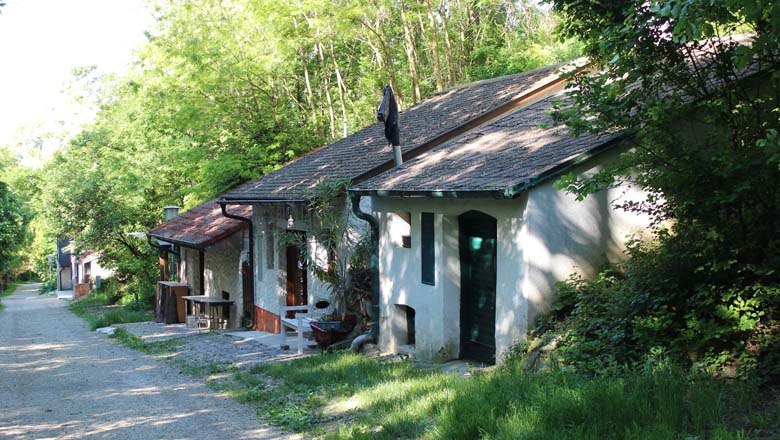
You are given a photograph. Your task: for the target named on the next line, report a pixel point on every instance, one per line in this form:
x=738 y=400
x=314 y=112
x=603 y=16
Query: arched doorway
x=477 y=242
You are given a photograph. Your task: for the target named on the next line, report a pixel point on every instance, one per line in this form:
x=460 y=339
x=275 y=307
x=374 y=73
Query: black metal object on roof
x=388 y=113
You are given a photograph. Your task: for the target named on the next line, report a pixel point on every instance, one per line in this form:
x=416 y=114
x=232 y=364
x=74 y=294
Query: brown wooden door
x=297 y=293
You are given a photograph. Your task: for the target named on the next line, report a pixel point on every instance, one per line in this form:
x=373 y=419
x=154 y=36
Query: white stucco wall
x=96 y=270
x=542 y=236
x=189 y=269
x=65 y=279
x=269 y=222
x=221 y=269
x=222 y=272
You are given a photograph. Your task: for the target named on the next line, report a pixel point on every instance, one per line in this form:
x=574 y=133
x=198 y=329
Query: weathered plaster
x=222 y=272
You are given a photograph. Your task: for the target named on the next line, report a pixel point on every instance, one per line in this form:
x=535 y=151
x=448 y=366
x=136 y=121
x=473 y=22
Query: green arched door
x=477 y=286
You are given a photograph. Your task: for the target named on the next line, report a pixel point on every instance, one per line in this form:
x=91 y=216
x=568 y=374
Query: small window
x=269 y=246
x=427 y=248
x=400 y=227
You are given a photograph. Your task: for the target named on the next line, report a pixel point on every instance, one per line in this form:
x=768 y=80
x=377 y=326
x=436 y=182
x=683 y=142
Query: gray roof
x=367 y=149
x=502 y=157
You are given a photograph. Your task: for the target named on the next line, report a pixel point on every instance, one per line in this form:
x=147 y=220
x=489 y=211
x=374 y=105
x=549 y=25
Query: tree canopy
x=224 y=92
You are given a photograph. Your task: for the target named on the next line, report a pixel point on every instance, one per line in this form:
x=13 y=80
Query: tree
x=693 y=84
x=14 y=218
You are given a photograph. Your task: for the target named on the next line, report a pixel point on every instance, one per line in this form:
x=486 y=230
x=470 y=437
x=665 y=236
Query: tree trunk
x=447 y=44
x=329 y=100
x=411 y=55
x=342 y=89
x=383 y=58
x=306 y=80
x=435 y=48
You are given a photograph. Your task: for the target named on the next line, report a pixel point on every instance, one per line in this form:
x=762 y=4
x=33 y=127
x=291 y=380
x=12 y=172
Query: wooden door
x=297 y=293
x=478 y=287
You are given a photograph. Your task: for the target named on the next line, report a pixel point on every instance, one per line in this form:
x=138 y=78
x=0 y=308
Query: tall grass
x=398 y=400
x=99 y=312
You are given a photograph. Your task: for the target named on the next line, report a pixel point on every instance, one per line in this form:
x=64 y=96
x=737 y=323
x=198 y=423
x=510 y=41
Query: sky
x=42 y=41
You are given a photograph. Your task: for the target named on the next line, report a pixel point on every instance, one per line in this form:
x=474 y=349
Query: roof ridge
x=510 y=75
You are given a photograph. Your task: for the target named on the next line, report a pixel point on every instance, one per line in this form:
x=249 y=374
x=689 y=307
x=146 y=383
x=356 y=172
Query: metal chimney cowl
x=171 y=212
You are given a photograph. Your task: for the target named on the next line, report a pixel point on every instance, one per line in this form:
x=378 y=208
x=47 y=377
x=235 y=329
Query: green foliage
x=136 y=343
x=7 y=291
x=667 y=302
x=698 y=105
x=99 y=310
x=15 y=216
x=47 y=287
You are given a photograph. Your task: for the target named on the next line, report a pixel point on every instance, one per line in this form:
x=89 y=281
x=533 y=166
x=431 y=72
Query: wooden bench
x=299 y=326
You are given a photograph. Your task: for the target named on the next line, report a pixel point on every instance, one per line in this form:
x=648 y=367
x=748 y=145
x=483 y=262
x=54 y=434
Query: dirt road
x=59 y=380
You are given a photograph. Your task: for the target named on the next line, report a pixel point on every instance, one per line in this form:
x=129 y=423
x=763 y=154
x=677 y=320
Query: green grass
x=9 y=290
x=348 y=396
x=136 y=343
x=97 y=310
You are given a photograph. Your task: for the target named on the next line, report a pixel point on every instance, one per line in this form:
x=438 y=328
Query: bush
x=669 y=300
x=112 y=289
x=48 y=286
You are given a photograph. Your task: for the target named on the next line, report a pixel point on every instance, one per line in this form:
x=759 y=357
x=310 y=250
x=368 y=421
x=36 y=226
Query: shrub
x=46 y=287
x=669 y=300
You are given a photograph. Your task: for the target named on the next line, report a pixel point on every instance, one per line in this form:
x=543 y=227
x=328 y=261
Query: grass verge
x=9 y=290
x=347 y=396
x=136 y=343
x=97 y=310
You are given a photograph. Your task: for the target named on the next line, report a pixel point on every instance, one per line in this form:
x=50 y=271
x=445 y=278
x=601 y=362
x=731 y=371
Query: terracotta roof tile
x=202 y=225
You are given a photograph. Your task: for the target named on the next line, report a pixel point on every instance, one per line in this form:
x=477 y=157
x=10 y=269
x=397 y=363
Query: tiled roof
x=496 y=157
x=367 y=149
x=63 y=251
x=202 y=225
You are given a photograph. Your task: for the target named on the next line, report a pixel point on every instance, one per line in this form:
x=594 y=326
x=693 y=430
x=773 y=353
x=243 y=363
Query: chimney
x=171 y=212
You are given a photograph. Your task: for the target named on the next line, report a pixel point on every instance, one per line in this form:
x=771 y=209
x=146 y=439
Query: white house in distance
x=82 y=268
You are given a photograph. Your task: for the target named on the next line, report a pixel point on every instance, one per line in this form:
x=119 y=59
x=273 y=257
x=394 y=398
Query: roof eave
x=436 y=194
x=258 y=201
x=201 y=245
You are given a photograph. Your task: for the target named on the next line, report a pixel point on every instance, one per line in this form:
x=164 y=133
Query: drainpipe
x=373 y=334
x=167 y=248
x=223 y=206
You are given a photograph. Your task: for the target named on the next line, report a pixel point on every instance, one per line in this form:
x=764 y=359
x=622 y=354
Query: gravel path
x=59 y=380
x=203 y=348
